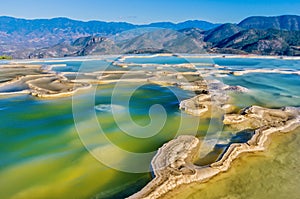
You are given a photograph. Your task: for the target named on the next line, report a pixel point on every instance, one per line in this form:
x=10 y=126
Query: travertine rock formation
x=173 y=164
x=256 y=117
x=211 y=100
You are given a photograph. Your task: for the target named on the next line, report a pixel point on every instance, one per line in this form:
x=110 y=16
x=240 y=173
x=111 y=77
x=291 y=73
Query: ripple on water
x=109 y=107
x=3 y=108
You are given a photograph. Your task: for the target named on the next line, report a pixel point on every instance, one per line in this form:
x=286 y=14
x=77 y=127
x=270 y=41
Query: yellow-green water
x=42 y=156
x=271 y=174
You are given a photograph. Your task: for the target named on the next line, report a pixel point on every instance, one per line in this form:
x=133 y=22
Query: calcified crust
x=173 y=164
x=241 y=56
x=278 y=71
x=213 y=56
x=56 y=86
x=213 y=98
x=45 y=83
x=36 y=81
x=212 y=94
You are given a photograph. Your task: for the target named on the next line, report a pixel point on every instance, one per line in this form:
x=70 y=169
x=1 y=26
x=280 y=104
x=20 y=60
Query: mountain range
x=60 y=37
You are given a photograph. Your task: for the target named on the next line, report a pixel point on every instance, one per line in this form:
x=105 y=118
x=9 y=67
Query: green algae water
x=270 y=174
x=42 y=155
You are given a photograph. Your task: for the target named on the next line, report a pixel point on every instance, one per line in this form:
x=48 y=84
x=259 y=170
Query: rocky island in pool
x=235 y=104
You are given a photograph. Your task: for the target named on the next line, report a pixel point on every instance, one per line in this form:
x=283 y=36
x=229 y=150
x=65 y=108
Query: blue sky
x=146 y=11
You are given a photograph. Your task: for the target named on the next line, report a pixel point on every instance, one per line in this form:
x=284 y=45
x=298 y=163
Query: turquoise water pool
x=41 y=151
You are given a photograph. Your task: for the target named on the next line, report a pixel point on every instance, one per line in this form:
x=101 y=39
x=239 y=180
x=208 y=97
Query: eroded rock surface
x=173 y=166
x=54 y=87
x=256 y=117
x=213 y=98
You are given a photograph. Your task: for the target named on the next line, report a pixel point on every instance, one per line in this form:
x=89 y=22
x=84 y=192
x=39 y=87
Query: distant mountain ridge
x=284 y=22
x=157 y=41
x=204 y=25
x=59 y=37
x=224 y=31
x=265 y=42
x=47 y=32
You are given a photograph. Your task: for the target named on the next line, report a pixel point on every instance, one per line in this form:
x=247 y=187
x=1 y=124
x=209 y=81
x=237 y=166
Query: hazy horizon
x=145 y=12
x=176 y=22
